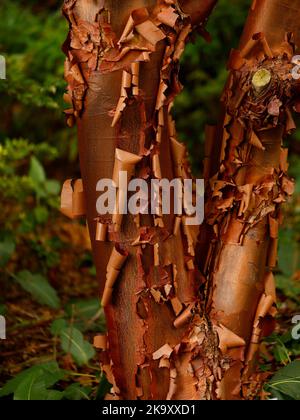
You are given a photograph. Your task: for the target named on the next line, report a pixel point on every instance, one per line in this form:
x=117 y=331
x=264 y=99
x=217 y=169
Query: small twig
x=23 y=311
x=85 y=375
x=29 y=324
x=95 y=318
x=15 y=352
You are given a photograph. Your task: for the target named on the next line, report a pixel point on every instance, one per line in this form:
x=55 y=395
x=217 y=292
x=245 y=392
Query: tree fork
x=165 y=340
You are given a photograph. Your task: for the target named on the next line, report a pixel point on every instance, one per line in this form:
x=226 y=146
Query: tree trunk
x=248 y=182
x=176 y=331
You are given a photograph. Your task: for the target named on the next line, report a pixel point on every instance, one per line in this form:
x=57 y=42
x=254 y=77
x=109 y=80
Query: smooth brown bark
x=174 y=331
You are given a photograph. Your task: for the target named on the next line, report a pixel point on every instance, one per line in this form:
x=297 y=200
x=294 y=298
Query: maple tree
x=185 y=307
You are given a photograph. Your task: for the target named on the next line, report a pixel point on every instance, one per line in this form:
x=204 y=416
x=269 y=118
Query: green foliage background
x=37 y=152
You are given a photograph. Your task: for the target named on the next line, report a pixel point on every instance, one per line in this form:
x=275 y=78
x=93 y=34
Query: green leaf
x=57 y=326
x=41 y=214
x=50 y=371
x=7 y=248
x=87 y=315
x=52 y=395
x=76 y=392
x=83 y=309
x=31 y=388
x=289 y=252
x=34 y=388
x=52 y=187
x=39 y=287
x=286 y=382
x=103 y=388
x=288 y=286
x=72 y=341
x=281 y=353
x=36 y=171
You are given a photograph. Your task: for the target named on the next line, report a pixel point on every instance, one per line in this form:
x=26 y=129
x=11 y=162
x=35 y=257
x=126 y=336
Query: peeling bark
x=122 y=70
x=249 y=182
x=180 y=327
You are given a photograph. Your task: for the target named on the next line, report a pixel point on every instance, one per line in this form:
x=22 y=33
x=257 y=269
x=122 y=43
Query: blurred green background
x=47 y=278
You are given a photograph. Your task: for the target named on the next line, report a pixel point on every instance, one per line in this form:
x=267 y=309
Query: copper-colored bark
x=166 y=340
x=158 y=280
x=251 y=183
